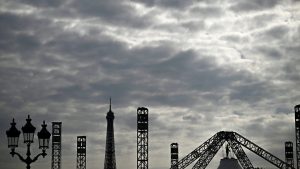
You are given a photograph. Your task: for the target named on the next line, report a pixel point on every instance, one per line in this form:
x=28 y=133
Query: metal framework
x=81 y=152
x=56 y=145
x=174 y=155
x=206 y=151
x=110 y=157
x=142 y=138
x=297 y=127
x=289 y=156
x=209 y=154
x=240 y=154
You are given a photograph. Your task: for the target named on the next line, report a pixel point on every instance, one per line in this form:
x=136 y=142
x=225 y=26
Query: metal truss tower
x=56 y=145
x=110 y=158
x=174 y=155
x=289 y=156
x=142 y=138
x=206 y=151
x=81 y=152
x=297 y=127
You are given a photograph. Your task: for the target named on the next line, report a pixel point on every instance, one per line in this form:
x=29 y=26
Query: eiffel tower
x=110 y=158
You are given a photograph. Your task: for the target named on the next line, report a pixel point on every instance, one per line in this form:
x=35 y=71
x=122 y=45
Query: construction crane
x=206 y=152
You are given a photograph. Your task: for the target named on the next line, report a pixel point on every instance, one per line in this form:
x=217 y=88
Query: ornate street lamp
x=13 y=135
x=44 y=137
x=28 y=132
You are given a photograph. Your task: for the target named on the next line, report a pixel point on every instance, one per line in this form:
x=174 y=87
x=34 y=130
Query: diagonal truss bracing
x=194 y=155
x=260 y=151
x=206 y=151
x=208 y=155
x=240 y=154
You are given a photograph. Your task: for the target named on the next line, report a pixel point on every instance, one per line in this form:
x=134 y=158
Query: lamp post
x=28 y=133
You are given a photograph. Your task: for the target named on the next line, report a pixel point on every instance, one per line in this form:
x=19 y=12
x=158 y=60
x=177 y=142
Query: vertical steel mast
x=81 y=152
x=297 y=127
x=289 y=155
x=142 y=138
x=174 y=155
x=56 y=145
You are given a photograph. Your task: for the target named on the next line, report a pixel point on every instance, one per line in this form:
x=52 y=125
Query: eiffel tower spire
x=110 y=158
x=109 y=104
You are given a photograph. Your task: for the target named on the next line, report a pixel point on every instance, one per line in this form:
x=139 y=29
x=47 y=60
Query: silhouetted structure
x=206 y=151
x=81 y=152
x=297 y=127
x=174 y=155
x=229 y=163
x=289 y=156
x=56 y=145
x=28 y=131
x=110 y=158
x=227 y=151
x=142 y=138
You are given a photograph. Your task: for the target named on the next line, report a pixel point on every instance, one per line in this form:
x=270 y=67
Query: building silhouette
x=110 y=158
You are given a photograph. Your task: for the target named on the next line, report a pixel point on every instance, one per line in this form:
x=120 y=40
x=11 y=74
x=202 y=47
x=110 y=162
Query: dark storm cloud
x=192 y=118
x=15 y=81
x=63 y=61
x=177 y=4
x=271 y=127
x=277 y=32
x=23 y=35
x=13 y=33
x=194 y=25
x=291 y=71
x=270 y=52
x=283 y=110
x=246 y=6
x=160 y=70
x=115 y=11
x=43 y=3
x=235 y=38
x=207 y=12
x=76 y=45
x=252 y=92
x=262 y=20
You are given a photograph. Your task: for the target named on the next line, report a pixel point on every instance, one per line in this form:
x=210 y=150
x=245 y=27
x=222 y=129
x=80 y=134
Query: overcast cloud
x=200 y=66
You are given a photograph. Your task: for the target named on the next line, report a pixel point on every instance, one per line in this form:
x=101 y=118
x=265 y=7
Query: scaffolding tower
x=297 y=127
x=289 y=156
x=81 y=152
x=56 y=145
x=174 y=155
x=142 y=138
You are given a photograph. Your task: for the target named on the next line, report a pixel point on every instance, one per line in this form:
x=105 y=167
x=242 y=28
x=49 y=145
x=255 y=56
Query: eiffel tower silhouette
x=110 y=158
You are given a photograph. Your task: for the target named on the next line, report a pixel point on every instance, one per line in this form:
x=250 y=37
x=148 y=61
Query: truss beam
x=240 y=154
x=209 y=154
x=206 y=151
x=142 y=138
x=56 y=145
x=194 y=155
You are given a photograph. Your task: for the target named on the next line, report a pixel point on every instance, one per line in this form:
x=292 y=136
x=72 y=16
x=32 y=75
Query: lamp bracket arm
x=20 y=157
x=36 y=157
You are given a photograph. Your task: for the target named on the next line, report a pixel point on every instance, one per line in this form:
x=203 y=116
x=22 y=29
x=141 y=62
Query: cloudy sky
x=200 y=66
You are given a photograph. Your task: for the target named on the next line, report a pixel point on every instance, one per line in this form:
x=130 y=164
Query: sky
x=199 y=66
